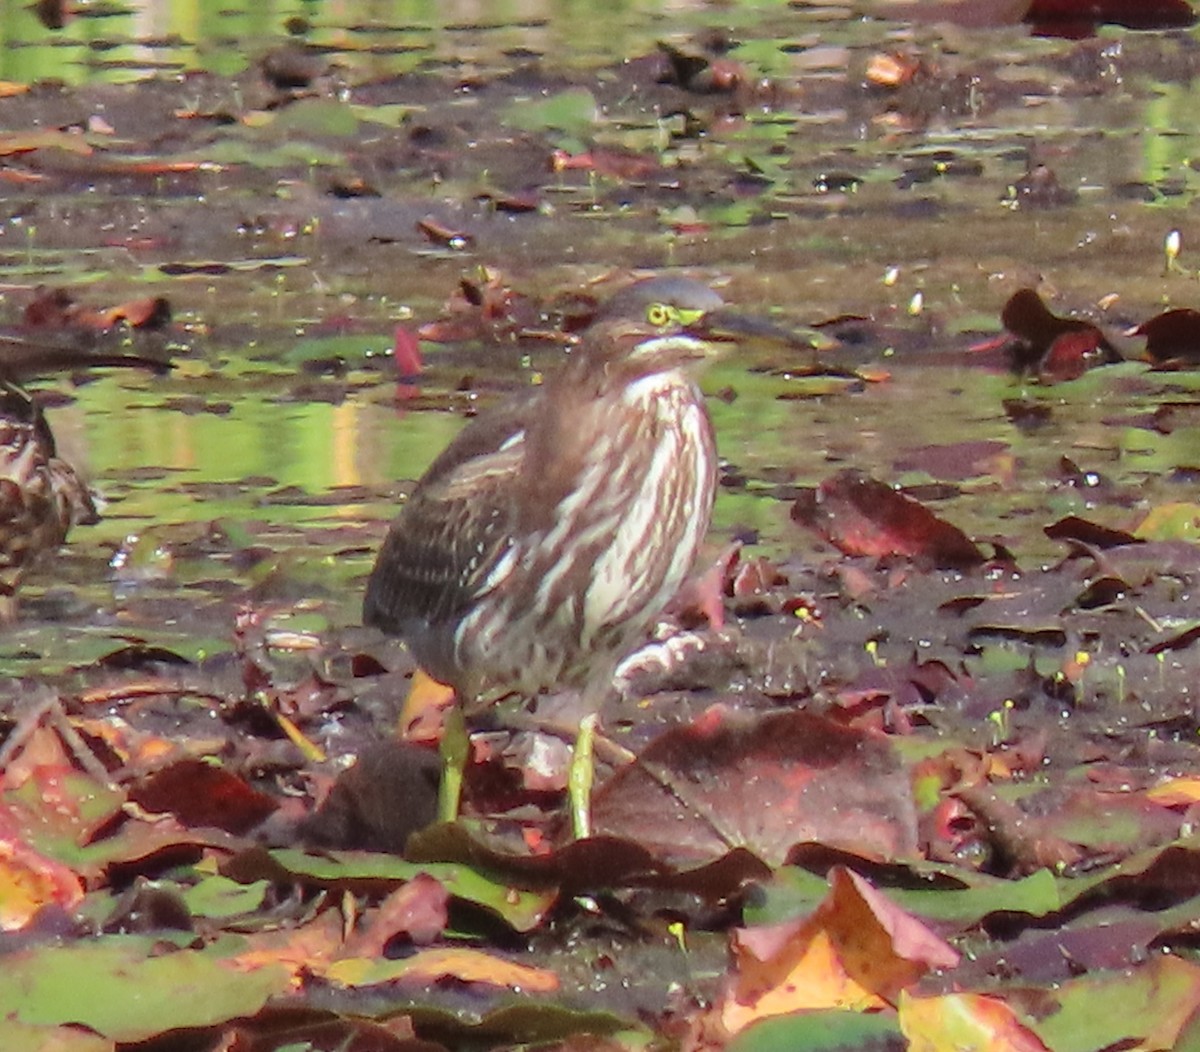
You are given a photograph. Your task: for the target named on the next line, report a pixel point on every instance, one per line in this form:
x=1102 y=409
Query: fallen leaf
x=763 y=784
x=1176 y=792
x=425 y=708
x=862 y=516
x=30 y=881
x=416 y=910
x=426 y=967
x=964 y=1021
x=856 y=951
x=49 y=138
x=201 y=794
x=440 y=234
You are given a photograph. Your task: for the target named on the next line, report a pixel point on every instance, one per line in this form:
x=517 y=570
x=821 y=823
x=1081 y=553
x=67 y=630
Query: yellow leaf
x=429 y=966
x=963 y=1023
x=1177 y=521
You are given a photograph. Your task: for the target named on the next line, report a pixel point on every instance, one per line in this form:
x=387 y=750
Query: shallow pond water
x=174 y=167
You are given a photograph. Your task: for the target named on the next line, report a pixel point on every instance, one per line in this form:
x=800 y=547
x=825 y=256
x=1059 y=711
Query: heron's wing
x=454 y=528
x=483 y=436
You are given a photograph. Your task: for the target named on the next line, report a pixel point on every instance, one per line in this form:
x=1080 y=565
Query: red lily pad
x=1054 y=347
x=959 y=461
x=862 y=516
x=722 y=783
x=1173 y=335
x=200 y=794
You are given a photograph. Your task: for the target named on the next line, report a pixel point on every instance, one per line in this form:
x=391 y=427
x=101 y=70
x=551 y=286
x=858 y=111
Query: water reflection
x=135 y=445
x=122 y=42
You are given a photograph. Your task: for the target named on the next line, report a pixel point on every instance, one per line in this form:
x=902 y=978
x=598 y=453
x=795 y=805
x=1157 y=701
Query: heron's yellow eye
x=658 y=314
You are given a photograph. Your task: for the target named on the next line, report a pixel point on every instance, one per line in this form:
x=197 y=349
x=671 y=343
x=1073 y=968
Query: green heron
x=41 y=496
x=543 y=541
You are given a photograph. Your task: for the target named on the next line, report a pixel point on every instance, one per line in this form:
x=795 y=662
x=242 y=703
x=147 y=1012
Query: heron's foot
x=604 y=748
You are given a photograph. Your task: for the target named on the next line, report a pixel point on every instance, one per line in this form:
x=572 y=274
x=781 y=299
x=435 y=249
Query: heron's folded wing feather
x=452 y=530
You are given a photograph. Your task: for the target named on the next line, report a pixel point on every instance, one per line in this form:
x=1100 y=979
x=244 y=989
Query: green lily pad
x=218 y=897
x=1171 y=522
x=573 y=111
x=22 y=1037
x=793 y=892
x=522 y=908
x=127 y=989
x=814 y=1031
x=1146 y=1008
x=324 y=117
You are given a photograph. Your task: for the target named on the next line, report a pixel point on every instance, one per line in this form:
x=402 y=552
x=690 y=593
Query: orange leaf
x=1175 y=792
x=892 y=70
x=424 y=709
x=42 y=750
x=855 y=951
x=148 y=312
x=29 y=881
x=440 y=234
x=417 y=909
x=12 y=175
x=301 y=950
x=171 y=167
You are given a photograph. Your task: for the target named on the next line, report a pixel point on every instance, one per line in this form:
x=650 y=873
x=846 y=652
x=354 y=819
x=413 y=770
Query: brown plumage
x=540 y=545
x=41 y=497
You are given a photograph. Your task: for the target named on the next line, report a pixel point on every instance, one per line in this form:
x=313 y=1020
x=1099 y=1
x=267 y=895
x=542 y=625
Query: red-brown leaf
x=202 y=795
x=862 y=516
x=764 y=784
x=1172 y=335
